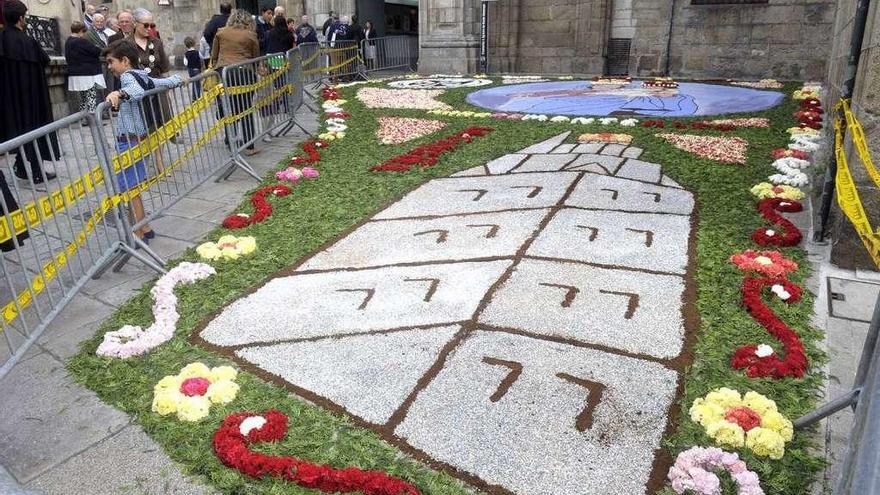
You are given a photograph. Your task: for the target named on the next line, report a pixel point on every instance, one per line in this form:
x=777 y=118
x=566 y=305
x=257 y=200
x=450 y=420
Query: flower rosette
x=228 y=247
x=748 y=420
x=232 y=442
x=311 y=148
x=790 y=234
x=293 y=174
x=694 y=472
x=262 y=208
x=132 y=340
x=766 y=263
x=766 y=190
x=190 y=393
x=788 y=153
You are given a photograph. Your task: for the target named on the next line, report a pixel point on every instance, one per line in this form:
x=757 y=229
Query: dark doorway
x=390 y=17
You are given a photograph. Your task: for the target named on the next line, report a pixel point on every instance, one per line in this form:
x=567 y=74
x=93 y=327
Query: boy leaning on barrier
x=131 y=128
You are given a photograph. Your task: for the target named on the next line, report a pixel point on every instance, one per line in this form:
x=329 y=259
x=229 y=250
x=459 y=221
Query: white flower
x=560 y=118
x=780 y=292
x=770 y=232
x=629 y=122
x=250 y=423
x=583 y=121
x=763 y=350
x=607 y=120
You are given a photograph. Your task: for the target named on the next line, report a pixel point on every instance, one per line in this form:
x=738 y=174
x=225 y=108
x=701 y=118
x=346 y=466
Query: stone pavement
x=554 y=281
x=58 y=437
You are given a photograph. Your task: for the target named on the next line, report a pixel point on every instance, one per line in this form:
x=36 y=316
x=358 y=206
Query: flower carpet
x=444 y=300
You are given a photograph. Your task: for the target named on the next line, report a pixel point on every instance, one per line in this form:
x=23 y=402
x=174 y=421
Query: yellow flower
x=765 y=443
x=247 y=244
x=223 y=373
x=775 y=421
x=726 y=433
x=194 y=370
x=169 y=383
x=706 y=413
x=766 y=190
x=166 y=402
x=222 y=392
x=229 y=253
x=763 y=260
x=758 y=403
x=724 y=397
x=193 y=408
x=208 y=251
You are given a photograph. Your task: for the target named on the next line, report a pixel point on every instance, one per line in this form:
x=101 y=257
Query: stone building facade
x=779 y=38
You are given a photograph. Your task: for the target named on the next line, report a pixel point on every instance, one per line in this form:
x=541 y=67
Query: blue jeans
x=196 y=86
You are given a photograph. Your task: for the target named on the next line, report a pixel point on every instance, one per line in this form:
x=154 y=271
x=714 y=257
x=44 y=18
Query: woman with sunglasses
x=154 y=60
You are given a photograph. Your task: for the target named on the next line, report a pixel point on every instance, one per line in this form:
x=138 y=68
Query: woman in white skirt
x=83 y=67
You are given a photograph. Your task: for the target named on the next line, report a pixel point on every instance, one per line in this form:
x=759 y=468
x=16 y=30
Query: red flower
x=790 y=236
x=795 y=362
x=329 y=93
x=262 y=208
x=232 y=448
x=784 y=153
x=653 y=123
x=427 y=155
x=744 y=416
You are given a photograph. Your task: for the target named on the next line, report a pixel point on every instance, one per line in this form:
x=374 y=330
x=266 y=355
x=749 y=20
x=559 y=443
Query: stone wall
x=449 y=33
x=780 y=39
x=548 y=36
x=848 y=250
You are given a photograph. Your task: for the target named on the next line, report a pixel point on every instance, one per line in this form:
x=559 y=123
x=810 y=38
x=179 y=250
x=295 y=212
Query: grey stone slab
x=168 y=247
x=121 y=293
x=344 y=302
x=666 y=181
x=458 y=195
x=129 y=462
x=588 y=148
x=504 y=164
x=180 y=228
x=596 y=191
x=546 y=146
x=47 y=418
x=633 y=240
x=613 y=149
x=78 y=321
x=589 y=162
x=389 y=242
x=631 y=152
x=564 y=148
x=620 y=309
x=9 y=486
x=639 y=170
x=471 y=172
x=545 y=163
x=193 y=208
x=855 y=300
x=368 y=375
x=574 y=421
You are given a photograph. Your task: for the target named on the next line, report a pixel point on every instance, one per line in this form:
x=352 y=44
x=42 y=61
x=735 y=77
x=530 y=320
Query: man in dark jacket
x=24 y=93
x=264 y=24
x=305 y=33
x=327 y=29
x=217 y=22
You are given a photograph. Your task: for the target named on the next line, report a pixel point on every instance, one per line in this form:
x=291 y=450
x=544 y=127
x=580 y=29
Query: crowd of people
x=118 y=57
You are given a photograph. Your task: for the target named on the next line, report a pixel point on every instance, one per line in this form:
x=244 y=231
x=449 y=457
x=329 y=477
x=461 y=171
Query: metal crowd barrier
x=55 y=234
x=257 y=100
x=112 y=182
x=390 y=52
x=860 y=471
x=331 y=61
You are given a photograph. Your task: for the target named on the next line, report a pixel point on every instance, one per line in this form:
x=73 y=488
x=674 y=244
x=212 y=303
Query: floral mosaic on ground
x=483 y=225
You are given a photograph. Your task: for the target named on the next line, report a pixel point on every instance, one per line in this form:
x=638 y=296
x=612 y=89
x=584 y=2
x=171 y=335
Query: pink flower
x=195 y=386
x=768 y=263
x=310 y=173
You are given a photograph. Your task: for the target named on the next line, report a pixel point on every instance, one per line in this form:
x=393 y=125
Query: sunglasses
x=147 y=24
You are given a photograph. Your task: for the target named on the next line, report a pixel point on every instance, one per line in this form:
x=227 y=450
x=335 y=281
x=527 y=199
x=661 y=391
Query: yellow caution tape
x=848 y=197
x=858 y=138
x=332 y=68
